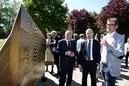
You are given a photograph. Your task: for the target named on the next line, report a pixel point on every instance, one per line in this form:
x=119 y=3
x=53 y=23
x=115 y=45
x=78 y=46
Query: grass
x=1 y=43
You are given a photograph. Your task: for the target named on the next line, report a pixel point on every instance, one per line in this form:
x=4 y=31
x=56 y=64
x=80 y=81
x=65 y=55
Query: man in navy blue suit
x=67 y=51
x=89 y=57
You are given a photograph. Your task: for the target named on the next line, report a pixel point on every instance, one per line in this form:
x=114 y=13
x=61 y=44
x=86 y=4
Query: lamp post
x=74 y=24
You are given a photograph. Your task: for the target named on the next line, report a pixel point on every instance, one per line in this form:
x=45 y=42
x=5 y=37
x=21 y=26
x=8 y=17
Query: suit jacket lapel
x=85 y=44
x=65 y=44
x=85 y=49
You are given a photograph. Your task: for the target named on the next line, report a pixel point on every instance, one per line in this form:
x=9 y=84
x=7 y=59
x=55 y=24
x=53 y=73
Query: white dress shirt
x=126 y=48
x=109 y=38
x=78 y=45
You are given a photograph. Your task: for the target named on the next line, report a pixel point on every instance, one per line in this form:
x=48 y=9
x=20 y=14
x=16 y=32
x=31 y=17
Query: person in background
x=49 y=59
x=78 y=45
x=53 y=45
x=126 y=52
x=79 y=42
x=112 y=51
x=98 y=37
x=67 y=51
x=75 y=38
x=89 y=58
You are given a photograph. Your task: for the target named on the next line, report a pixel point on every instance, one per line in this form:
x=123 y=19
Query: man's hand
x=72 y=54
x=68 y=53
x=104 y=42
x=80 y=67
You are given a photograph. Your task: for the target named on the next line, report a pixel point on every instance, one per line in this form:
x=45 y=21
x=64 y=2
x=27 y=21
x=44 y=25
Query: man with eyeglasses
x=112 y=51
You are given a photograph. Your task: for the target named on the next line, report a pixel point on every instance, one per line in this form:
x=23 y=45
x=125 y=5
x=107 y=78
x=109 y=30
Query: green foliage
x=2 y=33
x=7 y=15
x=2 y=41
x=48 y=14
x=94 y=25
x=93 y=14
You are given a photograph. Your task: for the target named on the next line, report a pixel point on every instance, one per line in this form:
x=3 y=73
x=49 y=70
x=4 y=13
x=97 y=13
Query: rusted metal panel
x=22 y=56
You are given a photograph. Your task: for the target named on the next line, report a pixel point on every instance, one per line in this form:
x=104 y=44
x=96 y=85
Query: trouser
x=56 y=59
x=108 y=79
x=66 y=70
x=98 y=70
x=89 y=67
x=126 y=59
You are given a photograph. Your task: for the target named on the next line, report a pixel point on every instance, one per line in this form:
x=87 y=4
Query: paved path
x=123 y=80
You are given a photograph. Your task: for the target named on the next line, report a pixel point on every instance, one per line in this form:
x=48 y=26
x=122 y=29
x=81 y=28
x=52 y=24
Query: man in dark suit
x=67 y=51
x=89 y=58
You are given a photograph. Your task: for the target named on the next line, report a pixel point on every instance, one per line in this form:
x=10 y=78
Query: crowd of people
x=103 y=53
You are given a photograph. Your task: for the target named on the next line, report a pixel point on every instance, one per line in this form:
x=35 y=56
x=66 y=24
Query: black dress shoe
x=68 y=85
x=126 y=66
x=52 y=72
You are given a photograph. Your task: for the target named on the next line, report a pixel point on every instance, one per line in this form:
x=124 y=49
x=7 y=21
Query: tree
x=2 y=17
x=79 y=21
x=7 y=15
x=48 y=14
x=94 y=25
x=2 y=33
x=118 y=9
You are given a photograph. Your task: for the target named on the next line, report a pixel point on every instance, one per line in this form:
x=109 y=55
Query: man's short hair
x=89 y=30
x=49 y=34
x=82 y=35
x=54 y=32
x=113 y=20
x=68 y=31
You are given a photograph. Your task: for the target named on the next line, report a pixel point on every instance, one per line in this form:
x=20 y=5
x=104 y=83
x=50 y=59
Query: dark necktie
x=69 y=44
x=88 y=50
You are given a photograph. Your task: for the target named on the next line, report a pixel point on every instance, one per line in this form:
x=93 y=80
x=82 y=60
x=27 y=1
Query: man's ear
x=116 y=26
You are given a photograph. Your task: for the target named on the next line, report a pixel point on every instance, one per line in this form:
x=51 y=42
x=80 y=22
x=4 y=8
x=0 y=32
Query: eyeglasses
x=110 y=24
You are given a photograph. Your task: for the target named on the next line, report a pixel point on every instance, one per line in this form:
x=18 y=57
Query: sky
x=89 y=5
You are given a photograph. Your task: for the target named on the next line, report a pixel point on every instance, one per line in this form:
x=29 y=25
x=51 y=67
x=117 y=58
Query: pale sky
x=89 y=5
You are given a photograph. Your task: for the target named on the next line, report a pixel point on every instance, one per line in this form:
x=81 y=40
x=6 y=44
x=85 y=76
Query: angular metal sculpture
x=22 y=56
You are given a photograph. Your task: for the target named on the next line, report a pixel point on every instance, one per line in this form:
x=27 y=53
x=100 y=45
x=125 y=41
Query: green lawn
x=1 y=42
